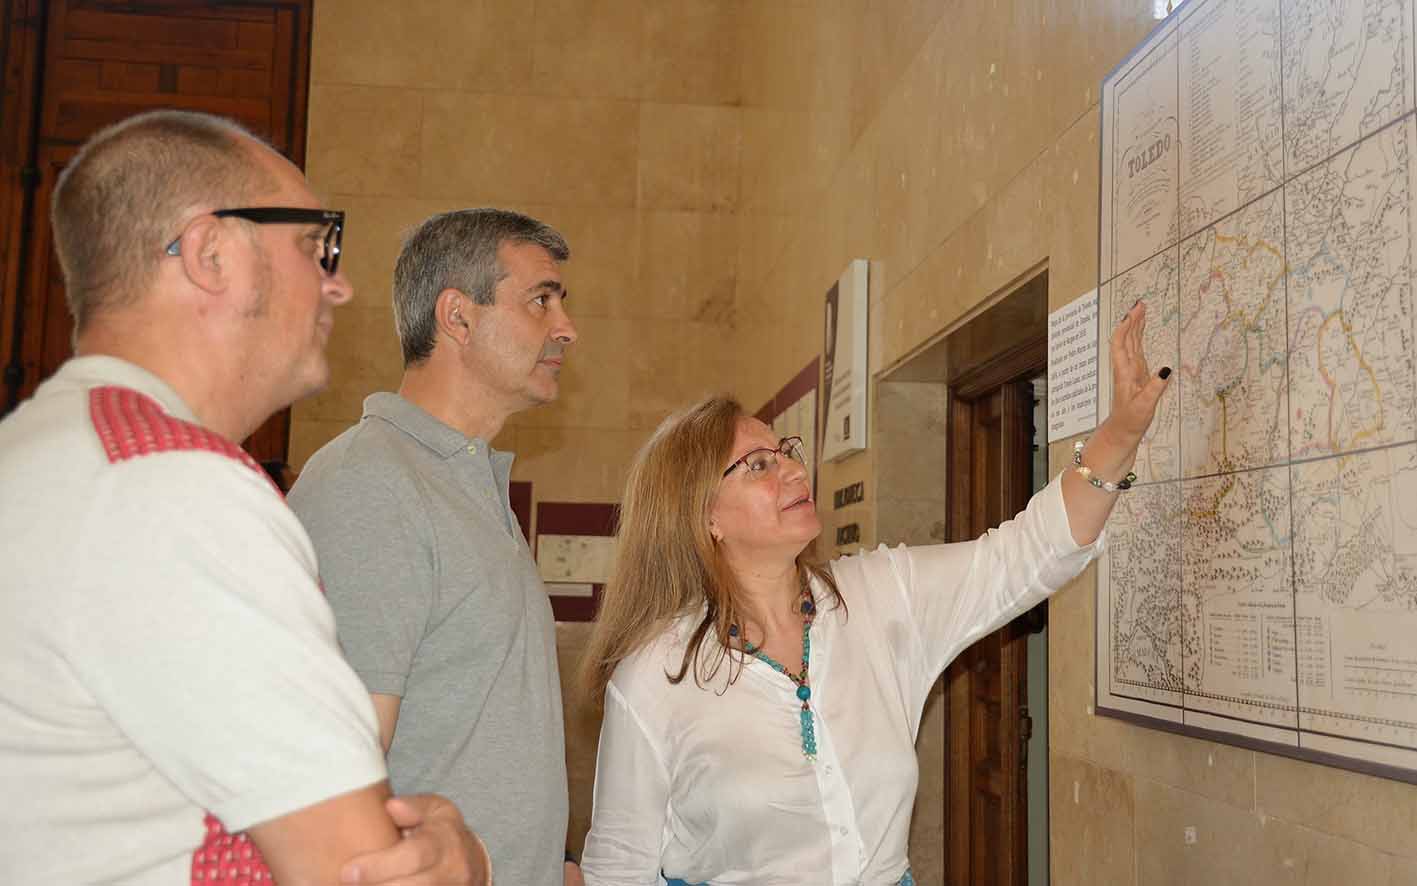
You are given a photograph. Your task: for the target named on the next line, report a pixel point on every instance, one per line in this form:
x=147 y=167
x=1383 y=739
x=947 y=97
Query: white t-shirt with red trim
x=166 y=655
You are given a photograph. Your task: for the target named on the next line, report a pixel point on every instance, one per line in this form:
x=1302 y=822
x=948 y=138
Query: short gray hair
x=457 y=250
x=123 y=196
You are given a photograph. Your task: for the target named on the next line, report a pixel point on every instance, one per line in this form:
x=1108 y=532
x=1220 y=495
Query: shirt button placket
x=837 y=810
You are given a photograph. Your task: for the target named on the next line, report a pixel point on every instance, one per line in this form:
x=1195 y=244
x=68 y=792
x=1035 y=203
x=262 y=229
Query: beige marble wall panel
x=594 y=380
x=1016 y=235
x=762 y=239
x=909 y=436
x=767 y=364
x=712 y=362
x=1070 y=198
x=589 y=48
x=308 y=434
x=692 y=51
x=437 y=44
x=853 y=199
x=799 y=308
x=688 y=362
x=936 y=294
x=1220 y=772
x=910 y=521
x=365 y=139
x=1184 y=838
x=1085 y=40
x=959 y=190
x=1331 y=860
x=907 y=171
x=777 y=65
x=1403 y=872
x=601 y=277
x=688 y=267
x=364 y=357
x=1374 y=811
x=893 y=185
x=575 y=464
x=887 y=34
x=822 y=248
x=506 y=149
x=777 y=173
x=834 y=35
x=689 y=157
x=365 y=345
x=340 y=401
x=831 y=141
x=1090 y=823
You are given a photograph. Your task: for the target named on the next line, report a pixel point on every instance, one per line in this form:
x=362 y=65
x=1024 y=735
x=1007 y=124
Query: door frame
x=996 y=353
x=31 y=35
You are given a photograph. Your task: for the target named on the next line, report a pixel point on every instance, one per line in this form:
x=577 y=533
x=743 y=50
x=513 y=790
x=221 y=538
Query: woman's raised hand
x=1135 y=389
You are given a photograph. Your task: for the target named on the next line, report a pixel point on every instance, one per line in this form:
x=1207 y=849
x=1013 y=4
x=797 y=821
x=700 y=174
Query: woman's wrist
x=1107 y=456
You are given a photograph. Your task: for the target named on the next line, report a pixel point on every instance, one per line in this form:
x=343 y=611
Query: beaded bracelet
x=1086 y=472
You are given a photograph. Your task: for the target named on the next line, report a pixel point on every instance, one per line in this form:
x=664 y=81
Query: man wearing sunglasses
x=441 y=609
x=174 y=705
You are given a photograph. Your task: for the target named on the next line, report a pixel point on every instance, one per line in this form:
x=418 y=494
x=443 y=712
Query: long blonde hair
x=666 y=562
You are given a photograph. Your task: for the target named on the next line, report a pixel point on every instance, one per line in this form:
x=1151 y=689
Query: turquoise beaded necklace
x=804 y=689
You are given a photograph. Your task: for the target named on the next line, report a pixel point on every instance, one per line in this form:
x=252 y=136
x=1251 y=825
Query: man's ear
x=206 y=260
x=453 y=314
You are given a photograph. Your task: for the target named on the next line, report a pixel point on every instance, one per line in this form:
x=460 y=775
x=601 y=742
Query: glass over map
x=1258 y=192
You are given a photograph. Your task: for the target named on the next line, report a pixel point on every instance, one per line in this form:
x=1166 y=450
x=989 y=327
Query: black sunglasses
x=280 y=215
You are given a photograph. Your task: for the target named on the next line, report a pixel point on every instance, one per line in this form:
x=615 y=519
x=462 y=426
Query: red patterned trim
x=226 y=860
x=131 y=425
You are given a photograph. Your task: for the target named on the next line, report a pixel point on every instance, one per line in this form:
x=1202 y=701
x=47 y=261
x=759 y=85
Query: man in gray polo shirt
x=438 y=603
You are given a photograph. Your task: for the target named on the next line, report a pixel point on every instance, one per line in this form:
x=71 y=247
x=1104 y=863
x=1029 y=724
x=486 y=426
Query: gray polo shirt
x=437 y=600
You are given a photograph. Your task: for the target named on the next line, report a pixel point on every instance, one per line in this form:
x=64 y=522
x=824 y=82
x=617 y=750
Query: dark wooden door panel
x=102 y=61
x=989 y=456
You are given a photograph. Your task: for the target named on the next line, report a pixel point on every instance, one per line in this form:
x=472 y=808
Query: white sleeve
x=630 y=805
x=957 y=593
x=199 y=628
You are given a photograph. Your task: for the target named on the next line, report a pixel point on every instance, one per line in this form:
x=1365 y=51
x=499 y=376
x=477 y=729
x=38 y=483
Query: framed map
x=1258 y=184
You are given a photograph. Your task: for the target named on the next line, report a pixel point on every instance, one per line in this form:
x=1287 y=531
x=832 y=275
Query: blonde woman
x=761 y=710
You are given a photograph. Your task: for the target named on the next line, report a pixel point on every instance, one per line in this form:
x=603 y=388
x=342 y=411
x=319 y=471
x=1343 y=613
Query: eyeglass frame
x=288 y=215
x=778 y=452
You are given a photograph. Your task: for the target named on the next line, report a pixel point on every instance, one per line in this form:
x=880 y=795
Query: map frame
x=1265 y=171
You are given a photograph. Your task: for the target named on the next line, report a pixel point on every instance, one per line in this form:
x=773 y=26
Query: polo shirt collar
x=408 y=417
x=99 y=370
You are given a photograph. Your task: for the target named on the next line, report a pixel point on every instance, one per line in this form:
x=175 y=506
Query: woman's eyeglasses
x=760 y=461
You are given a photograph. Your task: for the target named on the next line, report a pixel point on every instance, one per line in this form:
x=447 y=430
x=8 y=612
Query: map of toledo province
x=1258 y=194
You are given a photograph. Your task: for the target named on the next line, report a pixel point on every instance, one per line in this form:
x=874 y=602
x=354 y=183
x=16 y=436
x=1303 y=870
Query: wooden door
x=989 y=471
x=96 y=62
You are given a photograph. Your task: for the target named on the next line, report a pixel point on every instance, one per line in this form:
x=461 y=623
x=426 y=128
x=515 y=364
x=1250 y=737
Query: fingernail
x=1165 y=372
x=1135 y=303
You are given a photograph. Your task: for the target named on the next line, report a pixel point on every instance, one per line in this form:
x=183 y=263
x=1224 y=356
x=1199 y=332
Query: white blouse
x=710 y=784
